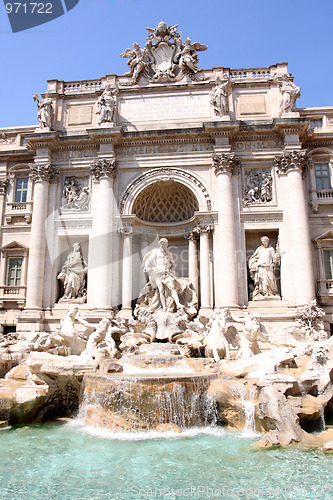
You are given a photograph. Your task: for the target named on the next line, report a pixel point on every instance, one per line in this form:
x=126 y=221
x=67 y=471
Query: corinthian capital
x=225 y=163
x=291 y=160
x=43 y=172
x=104 y=168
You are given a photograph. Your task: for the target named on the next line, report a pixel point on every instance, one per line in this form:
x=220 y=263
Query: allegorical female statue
x=73 y=276
x=262 y=265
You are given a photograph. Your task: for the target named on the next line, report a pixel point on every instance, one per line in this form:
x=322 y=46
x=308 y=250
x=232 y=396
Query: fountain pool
x=70 y=461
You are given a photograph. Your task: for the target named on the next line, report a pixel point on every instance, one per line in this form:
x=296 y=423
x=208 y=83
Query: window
x=328 y=260
x=21 y=190
x=323 y=176
x=14 y=272
x=316 y=123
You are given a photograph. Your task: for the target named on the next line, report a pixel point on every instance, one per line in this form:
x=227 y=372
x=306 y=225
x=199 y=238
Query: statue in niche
x=258 y=187
x=45 y=111
x=262 y=266
x=76 y=195
x=73 y=276
x=219 y=96
x=168 y=299
x=106 y=104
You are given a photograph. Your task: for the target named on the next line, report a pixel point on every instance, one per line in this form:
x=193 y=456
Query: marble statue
x=262 y=265
x=65 y=341
x=101 y=341
x=45 y=111
x=290 y=93
x=219 y=96
x=248 y=339
x=76 y=195
x=106 y=105
x=188 y=58
x=159 y=265
x=219 y=334
x=73 y=276
x=139 y=60
x=310 y=321
x=164 y=57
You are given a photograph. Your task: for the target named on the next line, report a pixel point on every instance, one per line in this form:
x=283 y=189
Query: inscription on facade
x=162 y=148
x=257 y=145
x=170 y=107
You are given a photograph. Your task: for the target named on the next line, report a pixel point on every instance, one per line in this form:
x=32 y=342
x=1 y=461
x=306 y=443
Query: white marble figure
x=219 y=335
x=248 y=339
x=73 y=275
x=159 y=265
x=219 y=97
x=262 y=265
x=45 y=111
x=106 y=104
x=139 y=60
x=290 y=93
x=65 y=340
x=188 y=58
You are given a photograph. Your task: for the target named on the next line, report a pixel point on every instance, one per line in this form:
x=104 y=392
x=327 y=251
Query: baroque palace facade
x=211 y=159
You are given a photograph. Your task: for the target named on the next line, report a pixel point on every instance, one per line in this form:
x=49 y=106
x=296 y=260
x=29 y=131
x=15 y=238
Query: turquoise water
x=68 y=461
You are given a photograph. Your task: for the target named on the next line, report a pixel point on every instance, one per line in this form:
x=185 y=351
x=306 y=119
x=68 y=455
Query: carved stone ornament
x=165 y=56
x=43 y=173
x=104 y=168
x=3 y=185
x=6 y=139
x=223 y=163
x=290 y=160
x=75 y=194
x=45 y=111
x=125 y=230
x=106 y=105
x=257 y=186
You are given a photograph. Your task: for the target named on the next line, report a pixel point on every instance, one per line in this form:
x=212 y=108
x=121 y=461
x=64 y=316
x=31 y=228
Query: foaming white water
x=178 y=369
x=145 y=435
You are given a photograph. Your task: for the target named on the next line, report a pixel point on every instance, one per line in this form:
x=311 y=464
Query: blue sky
x=86 y=42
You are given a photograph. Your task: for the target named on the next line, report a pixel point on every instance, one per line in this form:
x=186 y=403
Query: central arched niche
x=165 y=202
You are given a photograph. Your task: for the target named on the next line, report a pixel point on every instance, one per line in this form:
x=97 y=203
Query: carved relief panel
x=257 y=186
x=75 y=195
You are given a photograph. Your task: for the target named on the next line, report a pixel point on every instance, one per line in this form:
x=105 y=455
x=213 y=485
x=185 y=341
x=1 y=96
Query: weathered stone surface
x=284 y=383
x=307 y=407
x=110 y=366
x=278 y=416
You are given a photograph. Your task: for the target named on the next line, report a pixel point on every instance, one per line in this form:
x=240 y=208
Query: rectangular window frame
x=323 y=175
x=21 y=190
x=14 y=272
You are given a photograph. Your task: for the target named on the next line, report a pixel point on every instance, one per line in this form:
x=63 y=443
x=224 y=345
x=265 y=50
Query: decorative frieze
x=104 y=168
x=225 y=163
x=291 y=160
x=43 y=172
x=257 y=186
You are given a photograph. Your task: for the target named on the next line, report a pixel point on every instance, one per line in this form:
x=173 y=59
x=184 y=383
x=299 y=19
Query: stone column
x=193 y=260
x=205 y=281
x=225 y=248
x=104 y=172
x=41 y=176
x=293 y=164
x=127 y=270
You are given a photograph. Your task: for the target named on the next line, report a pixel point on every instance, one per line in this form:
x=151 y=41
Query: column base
x=30 y=319
x=126 y=313
x=205 y=311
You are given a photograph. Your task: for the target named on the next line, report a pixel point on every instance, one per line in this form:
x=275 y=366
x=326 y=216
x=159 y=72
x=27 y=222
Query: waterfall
x=247 y=400
x=143 y=402
x=322 y=419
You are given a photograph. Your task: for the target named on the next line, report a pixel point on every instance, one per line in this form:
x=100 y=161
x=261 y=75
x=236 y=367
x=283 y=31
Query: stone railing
x=82 y=86
x=249 y=74
x=17 y=209
x=324 y=194
x=324 y=290
x=320 y=197
x=12 y=294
